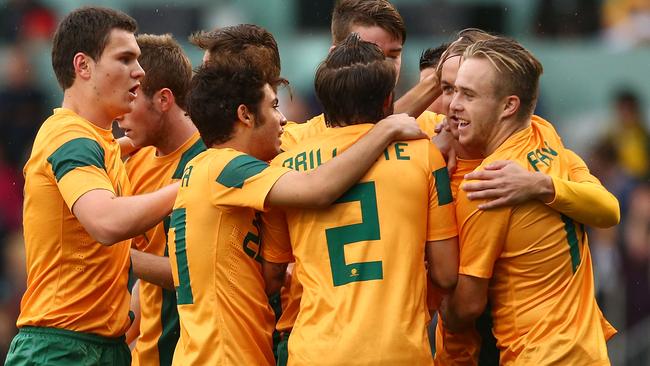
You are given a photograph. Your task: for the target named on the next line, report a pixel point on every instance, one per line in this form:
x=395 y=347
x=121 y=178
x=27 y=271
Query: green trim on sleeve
x=76 y=153
x=443 y=186
x=240 y=169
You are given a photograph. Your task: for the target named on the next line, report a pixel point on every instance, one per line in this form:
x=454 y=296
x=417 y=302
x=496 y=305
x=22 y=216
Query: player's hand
x=505 y=183
x=444 y=125
x=403 y=126
x=445 y=142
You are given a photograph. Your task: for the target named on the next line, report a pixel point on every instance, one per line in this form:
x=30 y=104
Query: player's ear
x=165 y=98
x=245 y=116
x=81 y=63
x=511 y=105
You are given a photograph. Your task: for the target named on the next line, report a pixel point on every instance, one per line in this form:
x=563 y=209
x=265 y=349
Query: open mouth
x=462 y=123
x=134 y=91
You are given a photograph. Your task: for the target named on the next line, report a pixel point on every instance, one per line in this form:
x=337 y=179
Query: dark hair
x=86 y=30
x=165 y=65
x=431 y=56
x=353 y=83
x=518 y=71
x=380 y=13
x=250 y=42
x=217 y=92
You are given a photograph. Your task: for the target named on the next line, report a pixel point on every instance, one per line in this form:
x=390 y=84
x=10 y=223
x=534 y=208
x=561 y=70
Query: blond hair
x=517 y=69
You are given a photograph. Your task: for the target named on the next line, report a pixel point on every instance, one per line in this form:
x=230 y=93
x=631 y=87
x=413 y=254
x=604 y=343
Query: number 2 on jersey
x=368 y=229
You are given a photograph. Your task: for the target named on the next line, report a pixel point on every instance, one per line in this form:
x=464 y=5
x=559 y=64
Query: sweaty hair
x=354 y=82
x=165 y=65
x=85 y=30
x=518 y=71
x=368 y=13
x=248 y=42
x=217 y=92
x=431 y=56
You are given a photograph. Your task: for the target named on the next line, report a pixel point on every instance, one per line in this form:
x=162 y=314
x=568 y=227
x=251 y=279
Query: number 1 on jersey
x=368 y=229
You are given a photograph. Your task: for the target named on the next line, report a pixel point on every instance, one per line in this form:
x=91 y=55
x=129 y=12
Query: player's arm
x=322 y=186
x=152 y=268
x=110 y=219
x=416 y=100
x=442 y=256
x=274 y=274
x=582 y=198
x=460 y=309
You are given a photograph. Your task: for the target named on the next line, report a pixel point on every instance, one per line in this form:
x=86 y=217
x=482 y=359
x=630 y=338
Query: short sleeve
x=482 y=234
x=276 y=242
x=441 y=223
x=245 y=182
x=78 y=166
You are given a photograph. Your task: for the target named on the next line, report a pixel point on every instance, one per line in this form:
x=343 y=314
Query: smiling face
x=475 y=105
x=449 y=71
x=265 y=136
x=389 y=45
x=116 y=75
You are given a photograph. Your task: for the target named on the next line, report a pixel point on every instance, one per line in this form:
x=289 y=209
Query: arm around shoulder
x=110 y=219
x=322 y=186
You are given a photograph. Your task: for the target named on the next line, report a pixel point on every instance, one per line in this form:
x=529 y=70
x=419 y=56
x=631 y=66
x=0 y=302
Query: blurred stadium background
x=595 y=89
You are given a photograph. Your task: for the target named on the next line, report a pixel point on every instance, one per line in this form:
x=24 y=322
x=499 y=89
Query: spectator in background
x=22 y=106
x=626 y=23
x=26 y=20
x=629 y=134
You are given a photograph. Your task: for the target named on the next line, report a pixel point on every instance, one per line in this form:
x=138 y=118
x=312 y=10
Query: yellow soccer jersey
x=538 y=262
x=159 y=329
x=73 y=282
x=214 y=247
x=295 y=133
x=361 y=261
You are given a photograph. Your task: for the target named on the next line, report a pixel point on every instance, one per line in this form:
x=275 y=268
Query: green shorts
x=52 y=346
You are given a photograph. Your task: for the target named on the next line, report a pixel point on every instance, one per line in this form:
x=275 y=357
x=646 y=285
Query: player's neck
x=178 y=129
x=74 y=100
x=509 y=128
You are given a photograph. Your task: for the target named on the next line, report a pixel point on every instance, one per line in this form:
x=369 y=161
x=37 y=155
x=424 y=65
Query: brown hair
x=85 y=30
x=217 y=92
x=380 y=13
x=518 y=71
x=165 y=65
x=250 y=42
x=354 y=82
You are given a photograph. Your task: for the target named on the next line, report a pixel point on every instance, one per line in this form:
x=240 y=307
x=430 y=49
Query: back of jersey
x=362 y=259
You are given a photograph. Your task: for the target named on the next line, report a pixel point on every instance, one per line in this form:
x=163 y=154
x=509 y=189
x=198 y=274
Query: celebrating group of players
x=366 y=220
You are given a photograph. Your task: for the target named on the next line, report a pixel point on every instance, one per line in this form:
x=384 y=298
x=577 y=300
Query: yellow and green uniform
x=73 y=282
x=159 y=328
x=214 y=249
x=296 y=133
x=361 y=261
x=541 y=287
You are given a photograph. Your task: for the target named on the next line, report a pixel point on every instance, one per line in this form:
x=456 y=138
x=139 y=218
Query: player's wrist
x=545 y=188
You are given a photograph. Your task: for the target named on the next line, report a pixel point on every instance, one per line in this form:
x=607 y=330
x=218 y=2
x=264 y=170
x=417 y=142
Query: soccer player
x=214 y=231
x=429 y=60
x=167 y=139
x=581 y=198
x=78 y=213
x=361 y=261
x=379 y=22
x=531 y=262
